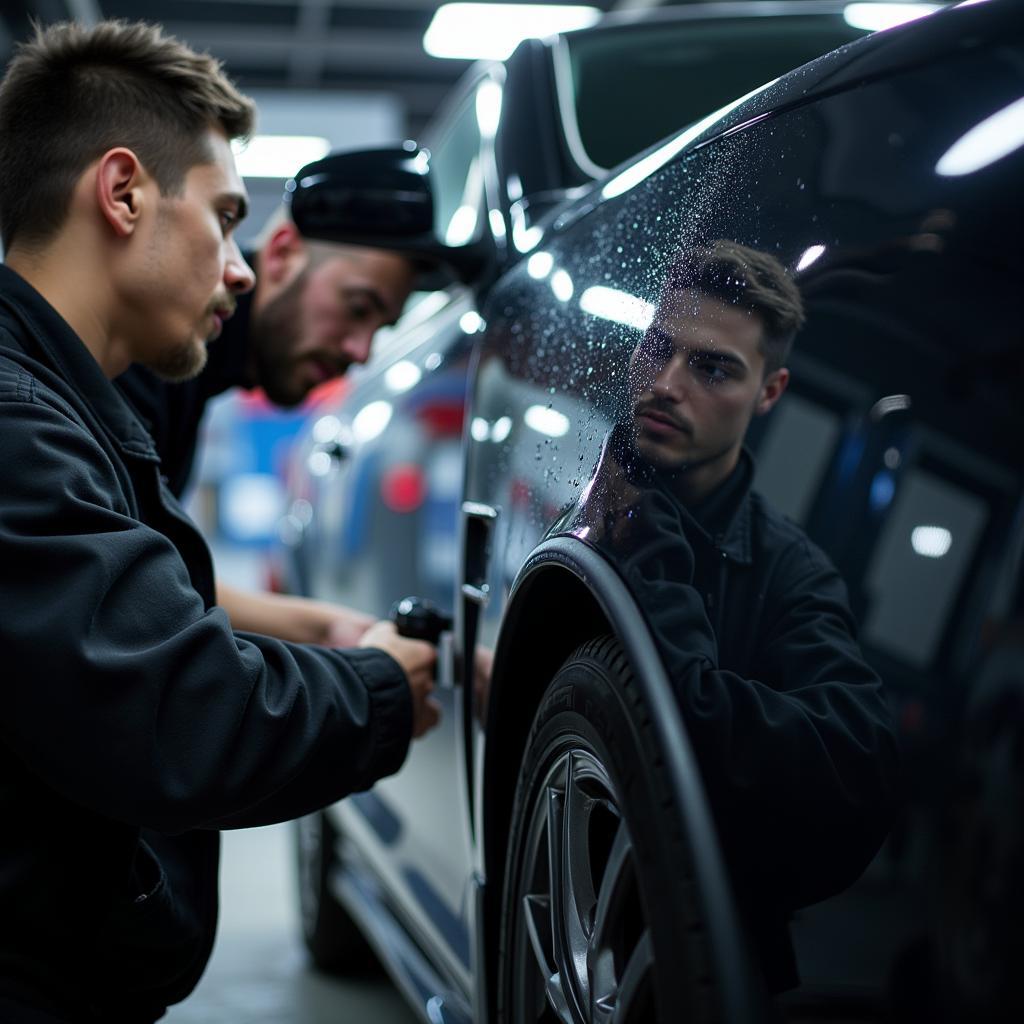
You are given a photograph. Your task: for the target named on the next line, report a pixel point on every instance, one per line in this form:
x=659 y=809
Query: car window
x=628 y=89
x=456 y=175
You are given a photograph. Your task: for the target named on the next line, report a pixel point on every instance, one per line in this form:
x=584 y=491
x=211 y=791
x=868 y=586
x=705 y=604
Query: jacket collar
x=51 y=340
x=724 y=520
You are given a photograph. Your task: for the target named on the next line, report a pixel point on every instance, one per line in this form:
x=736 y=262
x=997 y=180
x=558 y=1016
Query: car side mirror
x=382 y=198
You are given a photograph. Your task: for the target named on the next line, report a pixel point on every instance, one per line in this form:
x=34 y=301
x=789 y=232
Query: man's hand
x=417 y=659
x=297 y=619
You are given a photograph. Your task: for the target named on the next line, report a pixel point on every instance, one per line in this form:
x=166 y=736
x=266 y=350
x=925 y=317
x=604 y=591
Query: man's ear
x=283 y=255
x=771 y=390
x=119 y=180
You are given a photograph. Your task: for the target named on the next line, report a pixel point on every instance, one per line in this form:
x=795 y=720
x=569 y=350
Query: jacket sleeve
x=124 y=694
x=800 y=764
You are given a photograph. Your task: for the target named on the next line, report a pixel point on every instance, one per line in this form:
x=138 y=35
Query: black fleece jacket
x=135 y=722
x=789 y=724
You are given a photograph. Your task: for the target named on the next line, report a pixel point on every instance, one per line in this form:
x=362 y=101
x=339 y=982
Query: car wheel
x=335 y=943
x=600 y=921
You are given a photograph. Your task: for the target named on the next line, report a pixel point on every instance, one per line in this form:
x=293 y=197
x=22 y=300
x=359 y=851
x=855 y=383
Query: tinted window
x=631 y=88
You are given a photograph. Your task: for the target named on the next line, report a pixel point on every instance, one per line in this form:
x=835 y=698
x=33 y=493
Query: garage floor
x=259 y=973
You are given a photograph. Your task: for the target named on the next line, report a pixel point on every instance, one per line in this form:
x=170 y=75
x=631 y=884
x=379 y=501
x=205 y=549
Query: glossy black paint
x=912 y=294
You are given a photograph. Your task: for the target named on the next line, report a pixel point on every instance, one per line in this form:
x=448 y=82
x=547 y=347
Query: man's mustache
x=664 y=412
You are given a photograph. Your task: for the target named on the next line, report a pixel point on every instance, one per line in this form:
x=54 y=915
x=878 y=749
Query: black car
x=550 y=857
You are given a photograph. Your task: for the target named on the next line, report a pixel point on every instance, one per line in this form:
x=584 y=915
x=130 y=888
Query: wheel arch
x=535 y=639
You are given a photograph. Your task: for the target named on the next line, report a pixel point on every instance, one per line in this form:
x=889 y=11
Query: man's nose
x=238 y=275
x=671 y=380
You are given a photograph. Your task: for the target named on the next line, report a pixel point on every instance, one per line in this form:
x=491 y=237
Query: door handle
x=477 y=528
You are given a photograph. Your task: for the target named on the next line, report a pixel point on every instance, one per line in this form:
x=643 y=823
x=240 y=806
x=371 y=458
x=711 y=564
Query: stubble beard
x=183 y=363
x=273 y=338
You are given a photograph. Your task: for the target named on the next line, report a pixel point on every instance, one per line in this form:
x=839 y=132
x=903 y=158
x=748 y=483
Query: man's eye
x=228 y=219
x=710 y=371
x=359 y=312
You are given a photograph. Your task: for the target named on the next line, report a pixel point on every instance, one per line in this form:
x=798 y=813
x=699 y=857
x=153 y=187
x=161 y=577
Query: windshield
x=631 y=88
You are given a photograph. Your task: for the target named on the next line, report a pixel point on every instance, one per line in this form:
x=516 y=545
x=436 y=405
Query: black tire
x=620 y=936
x=335 y=943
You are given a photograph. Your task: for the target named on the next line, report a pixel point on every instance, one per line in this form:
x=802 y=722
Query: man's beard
x=274 y=335
x=183 y=363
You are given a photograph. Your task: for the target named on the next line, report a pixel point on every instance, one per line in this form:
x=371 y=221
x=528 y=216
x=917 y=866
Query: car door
x=899 y=454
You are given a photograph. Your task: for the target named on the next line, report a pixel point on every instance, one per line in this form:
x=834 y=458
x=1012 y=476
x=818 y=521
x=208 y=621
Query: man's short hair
x=748 y=279
x=73 y=92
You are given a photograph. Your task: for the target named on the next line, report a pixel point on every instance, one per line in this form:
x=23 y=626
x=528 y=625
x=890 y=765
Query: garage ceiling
x=356 y=46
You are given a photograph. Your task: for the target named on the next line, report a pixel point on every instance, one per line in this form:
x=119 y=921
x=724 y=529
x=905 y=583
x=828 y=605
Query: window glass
x=632 y=88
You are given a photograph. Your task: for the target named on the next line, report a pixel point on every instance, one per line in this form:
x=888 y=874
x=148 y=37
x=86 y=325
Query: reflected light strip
x=619 y=307
x=891 y=403
x=468 y=31
x=546 y=421
x=501 y=429
x=810 y=255
x=997 y=136
x=402 y=376
x=561 y=285
x=874 y=17
x=471 y=322
x=644 y=168
x=461 y=227
x=539 y=265
x=326 y=429
x=931 y=541
x=488 y=108
x=371 y=420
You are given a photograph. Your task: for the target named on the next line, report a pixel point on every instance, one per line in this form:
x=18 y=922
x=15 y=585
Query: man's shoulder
x=783 y=538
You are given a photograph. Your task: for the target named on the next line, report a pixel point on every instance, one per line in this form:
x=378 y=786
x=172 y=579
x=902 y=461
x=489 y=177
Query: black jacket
x=789 y=724
x=135 y=722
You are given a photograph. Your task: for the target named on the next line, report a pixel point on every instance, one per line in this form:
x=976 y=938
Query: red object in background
x=442 y=419
x=403 y=487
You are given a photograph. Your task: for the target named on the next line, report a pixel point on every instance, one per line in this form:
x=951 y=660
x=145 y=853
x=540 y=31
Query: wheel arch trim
x=577 y=571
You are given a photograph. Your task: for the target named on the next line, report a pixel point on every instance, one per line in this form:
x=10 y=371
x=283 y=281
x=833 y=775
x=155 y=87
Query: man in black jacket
x=789 y=724
x=136 y=723
x=312 y=314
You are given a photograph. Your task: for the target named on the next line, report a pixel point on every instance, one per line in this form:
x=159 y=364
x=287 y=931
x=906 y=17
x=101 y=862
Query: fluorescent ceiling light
x=931 y=541
x=873 y=17
x=277 y=156
x=493 y=31
x=997 y=136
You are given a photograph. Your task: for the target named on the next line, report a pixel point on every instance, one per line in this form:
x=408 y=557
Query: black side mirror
x=380 y=198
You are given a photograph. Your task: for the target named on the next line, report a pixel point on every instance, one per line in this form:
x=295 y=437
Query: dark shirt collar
x=723 y=517
x=59 y=348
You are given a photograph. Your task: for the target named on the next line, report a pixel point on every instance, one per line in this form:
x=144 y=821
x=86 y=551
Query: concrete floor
x=259 y=973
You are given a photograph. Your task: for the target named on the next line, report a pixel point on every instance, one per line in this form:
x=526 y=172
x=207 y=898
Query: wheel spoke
x=634 y=978
x=537 y=911
x=608 y=920
x=578 y=898
x=616 y=872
